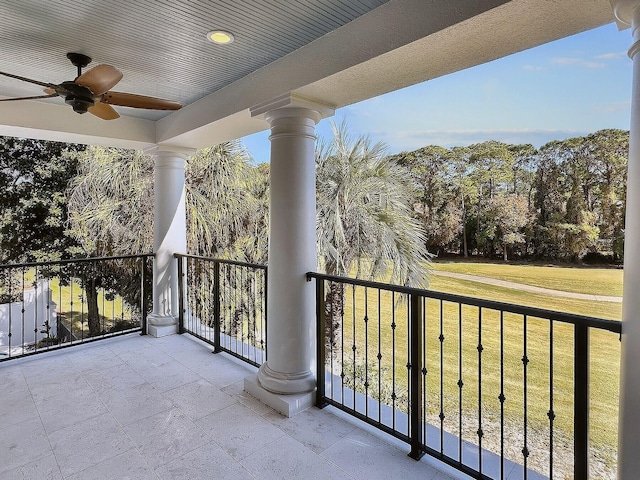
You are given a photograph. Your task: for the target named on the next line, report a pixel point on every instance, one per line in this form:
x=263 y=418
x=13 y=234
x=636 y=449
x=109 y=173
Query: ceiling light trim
x=220 y=37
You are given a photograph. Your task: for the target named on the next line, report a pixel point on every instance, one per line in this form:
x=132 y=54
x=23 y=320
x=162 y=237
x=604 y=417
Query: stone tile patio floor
x=141 y=408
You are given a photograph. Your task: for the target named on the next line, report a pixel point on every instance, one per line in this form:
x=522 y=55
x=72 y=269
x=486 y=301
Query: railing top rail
x=610 y=325
x=221 y=260
x=74 y=260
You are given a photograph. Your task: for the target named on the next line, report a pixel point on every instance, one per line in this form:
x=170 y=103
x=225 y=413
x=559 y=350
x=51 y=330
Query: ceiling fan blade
x=139 y=101
x=100 y=79
x=104 y=111
x=25 y=79
x=28 y=98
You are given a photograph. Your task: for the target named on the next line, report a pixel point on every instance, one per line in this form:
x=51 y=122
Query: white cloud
x=594 y=64
x=612 y=56
x=577 y=61
x=565 y=60
x=534 y=68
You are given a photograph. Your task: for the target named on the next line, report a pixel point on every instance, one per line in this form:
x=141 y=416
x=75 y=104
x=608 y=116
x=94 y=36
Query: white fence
x=28 y=321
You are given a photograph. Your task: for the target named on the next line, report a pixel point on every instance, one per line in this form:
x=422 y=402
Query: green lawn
x=595 y=281
x=606 y=310
x=462 y=336
x=72 y=308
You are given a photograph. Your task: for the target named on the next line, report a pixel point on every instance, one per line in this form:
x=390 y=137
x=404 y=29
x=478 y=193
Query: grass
x=72 y=309
x=463 y=334
x=595 y=281
x=606 y=310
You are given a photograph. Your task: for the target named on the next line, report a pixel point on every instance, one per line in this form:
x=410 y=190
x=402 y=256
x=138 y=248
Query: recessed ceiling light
x=220 y=37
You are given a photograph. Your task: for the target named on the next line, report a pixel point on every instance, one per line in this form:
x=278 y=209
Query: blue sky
x=567 y=88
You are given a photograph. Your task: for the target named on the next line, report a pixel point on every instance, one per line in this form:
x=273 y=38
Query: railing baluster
x=441 y=415
x=409 y=329
x=353 y=339
x=379 y=356
x=320 y=345
x=424 y=370
x=581 y=405
x=216 y=307
x=10 y=311
x=393 y=361
x=181 y=305
x=143 y=296
x=59 y=304
x=460 y=383
x=22 y=309
x=342 y=374
x=525 y=363
x=366 y=352
x=332 y=336
x=480 y=348
x=35 y=314
x=254 y=308
x=551 y=414
x=501 y=397
x=416 y=335
x=104 y=316
x=264 y=309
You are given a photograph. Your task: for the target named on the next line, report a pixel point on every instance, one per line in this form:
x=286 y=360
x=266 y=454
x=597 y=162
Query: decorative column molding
x=169 y=237
x=287 y=380
x=628 y=13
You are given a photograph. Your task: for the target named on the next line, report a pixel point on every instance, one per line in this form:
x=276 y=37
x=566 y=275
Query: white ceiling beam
x=48 y=121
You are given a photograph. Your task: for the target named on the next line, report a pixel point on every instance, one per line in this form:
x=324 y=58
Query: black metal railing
x=50 y=305
x=225 y=304
x=484 y=386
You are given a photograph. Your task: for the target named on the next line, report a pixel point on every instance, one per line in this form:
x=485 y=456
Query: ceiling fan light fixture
x=79 y=104
x=220 y=37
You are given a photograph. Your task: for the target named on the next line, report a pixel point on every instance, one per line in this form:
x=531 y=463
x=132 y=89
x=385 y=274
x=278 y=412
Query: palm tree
x=364 y=218
x=222 y=207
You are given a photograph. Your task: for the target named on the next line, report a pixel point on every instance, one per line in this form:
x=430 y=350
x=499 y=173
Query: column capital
x=170 y=151
x=294 y=105
x=625 y=11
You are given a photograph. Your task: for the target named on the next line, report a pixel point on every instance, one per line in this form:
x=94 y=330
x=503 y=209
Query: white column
x=290 y=368
x=292 y=252
x=628 y=13
x=169 y=237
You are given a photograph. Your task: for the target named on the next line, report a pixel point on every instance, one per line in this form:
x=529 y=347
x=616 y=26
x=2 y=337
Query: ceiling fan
x=91 y=91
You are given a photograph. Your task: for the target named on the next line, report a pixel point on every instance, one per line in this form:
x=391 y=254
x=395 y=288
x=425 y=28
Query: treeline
x=564 y=201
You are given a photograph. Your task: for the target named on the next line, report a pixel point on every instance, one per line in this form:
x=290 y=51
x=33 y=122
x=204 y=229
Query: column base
x=161 y=325
x=287 y=405
x=285 y=383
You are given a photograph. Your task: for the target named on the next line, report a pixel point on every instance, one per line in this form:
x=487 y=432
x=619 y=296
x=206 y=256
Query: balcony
x=167 y=409
x=491 y=389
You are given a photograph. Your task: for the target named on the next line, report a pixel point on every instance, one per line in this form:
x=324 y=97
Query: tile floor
x=141 y=408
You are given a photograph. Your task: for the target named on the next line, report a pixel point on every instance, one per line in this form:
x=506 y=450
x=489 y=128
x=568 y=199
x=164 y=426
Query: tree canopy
x=34 y=176
x=564 y=201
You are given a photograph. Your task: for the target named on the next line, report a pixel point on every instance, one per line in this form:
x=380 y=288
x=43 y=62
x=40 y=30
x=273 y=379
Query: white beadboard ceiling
x=160 y=45
x=335 y=51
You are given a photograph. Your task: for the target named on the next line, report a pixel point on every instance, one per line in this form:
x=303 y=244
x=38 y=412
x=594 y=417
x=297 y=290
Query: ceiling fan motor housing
x=80 y=98
x=79 y=104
